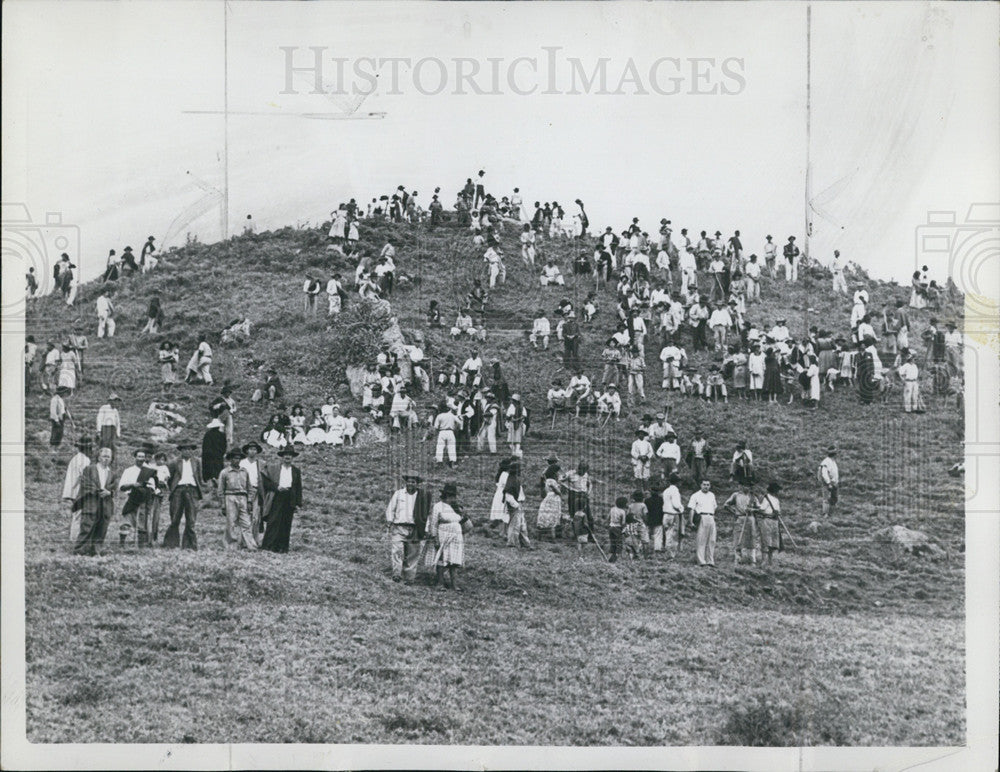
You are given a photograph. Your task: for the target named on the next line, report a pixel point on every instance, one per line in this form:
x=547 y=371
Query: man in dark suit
x=185 y=492
x=282 y=485
x=96 y=503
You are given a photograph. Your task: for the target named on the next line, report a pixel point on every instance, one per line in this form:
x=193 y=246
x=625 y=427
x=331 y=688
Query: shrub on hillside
x=354 y=339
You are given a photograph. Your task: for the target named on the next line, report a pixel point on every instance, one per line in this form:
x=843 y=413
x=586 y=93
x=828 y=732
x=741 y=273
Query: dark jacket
x=175 y=475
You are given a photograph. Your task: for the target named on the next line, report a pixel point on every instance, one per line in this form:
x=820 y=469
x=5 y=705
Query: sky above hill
x=113 y=115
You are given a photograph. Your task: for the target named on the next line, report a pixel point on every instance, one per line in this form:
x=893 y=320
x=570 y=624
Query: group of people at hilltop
x=694 y=296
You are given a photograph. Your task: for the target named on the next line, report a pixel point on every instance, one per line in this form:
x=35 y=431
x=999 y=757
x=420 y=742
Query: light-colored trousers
x=445 y=443
x=911 y=395
x=404 y=551
x=839 y=283
x=706 y=540
x=105 y=327
x=74 y=520
x=517 y=530
x=239 y=526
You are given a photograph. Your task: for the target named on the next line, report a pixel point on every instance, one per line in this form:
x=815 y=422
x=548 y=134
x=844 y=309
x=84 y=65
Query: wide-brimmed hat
x=830 y=451
x=235 y=453
x=84 y=444
x=113 y=396
x=411 y=475
x=187 y=445
x=288 y=452
x=515 y=397
x=256 y=446
x=553 y=459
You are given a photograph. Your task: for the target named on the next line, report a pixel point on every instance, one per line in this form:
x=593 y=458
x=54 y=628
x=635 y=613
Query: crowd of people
x=689 y=299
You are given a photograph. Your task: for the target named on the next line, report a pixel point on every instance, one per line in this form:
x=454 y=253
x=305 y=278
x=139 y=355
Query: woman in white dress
x=317 y=429
x=336 y=425
x=445 y=527
x=815 y=381
x=918 y=295
x=298 y=424
x=550 y=510
x=498 y=512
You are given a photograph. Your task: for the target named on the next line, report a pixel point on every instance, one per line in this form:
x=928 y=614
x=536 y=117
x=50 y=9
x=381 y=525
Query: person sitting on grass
x=551 y=274
x=540 y=330
x=465 y=326
x=609 y=403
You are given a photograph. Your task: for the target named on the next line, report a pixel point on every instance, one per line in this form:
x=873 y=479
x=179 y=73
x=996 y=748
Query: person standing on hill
x=406 y=518
x=105 y=315
x=138 y=482
x=829 y=477
x=837 y=269
x=910 y=376
x=96 y=504
x=185 y=492
x=282 y=484
x=235 y=490
x=109 y=425
x=771 y=257
x=71 y=485
x=199 y=367
x=792 y=254
x=701 y=507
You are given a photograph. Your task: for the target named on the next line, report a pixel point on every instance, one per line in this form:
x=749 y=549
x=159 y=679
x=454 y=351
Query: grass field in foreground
x=853 y=645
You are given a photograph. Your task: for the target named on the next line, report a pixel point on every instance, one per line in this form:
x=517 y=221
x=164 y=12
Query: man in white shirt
x=406 y=517
x=610 y=402
x=446 y=423
x=752 y=272
x=105 y=316
x=837 y=270
x=109 y=427
x=779 y=332
x=551 y=274
x=689 y=270
x=334 y=295
x=494 y=262
x=829 y=477
x=910 y=376
x=953 y=348
x=71 y=484
x=673 y=515
x=251 y=465
x=138 y=481
x=702 y=505
x=720 y=321
x=185 y=491
x=642 y=454
x=770 y=257
x=540 y=330
x=670 y=452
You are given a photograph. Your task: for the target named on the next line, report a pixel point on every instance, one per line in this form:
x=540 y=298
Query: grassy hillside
x=850 y=644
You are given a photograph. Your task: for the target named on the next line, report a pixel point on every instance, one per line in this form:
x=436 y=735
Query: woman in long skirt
x=445 y=527
x=498 y=512
x=772 y=376
x=513 y=496
x=213 y=446
x=769 y=509
x=550 y=510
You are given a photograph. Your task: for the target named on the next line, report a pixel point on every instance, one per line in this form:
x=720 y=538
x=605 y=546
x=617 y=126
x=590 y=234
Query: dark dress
x=213 y=452
x=772 y=375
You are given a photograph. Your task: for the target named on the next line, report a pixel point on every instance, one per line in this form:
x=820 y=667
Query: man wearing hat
x=642 y=454
x=235 y=491
x=829 y=477
x=791 y=253
x=406 y=518
x=138 y=482
x=769 y=510
x=771 y=256
x=109 y=426
x=282 y=485
x=146 y=259
x=185 y=491
x=71 y=484
x=910 y=376
x=252 y=466
x=58 y=414
x=610 y=402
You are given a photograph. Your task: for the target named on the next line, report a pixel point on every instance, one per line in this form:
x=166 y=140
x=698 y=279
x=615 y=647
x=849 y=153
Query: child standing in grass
x=636 y=533
x=616 y=522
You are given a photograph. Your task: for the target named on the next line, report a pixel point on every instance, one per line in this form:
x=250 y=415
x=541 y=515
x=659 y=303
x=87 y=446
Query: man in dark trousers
x=138 y=482
x=571 y=342
x=96 y=503
x=282 y=485
x=185 y=492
